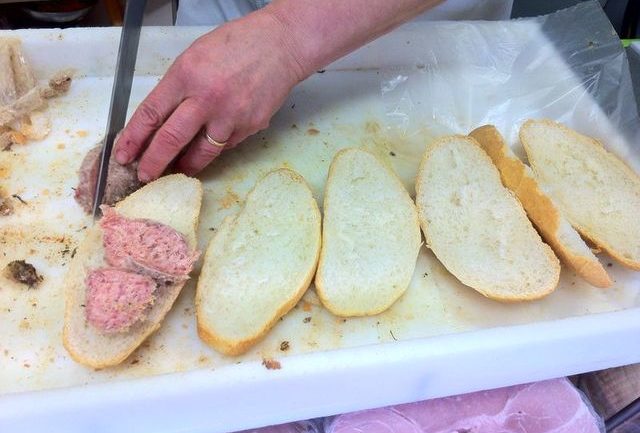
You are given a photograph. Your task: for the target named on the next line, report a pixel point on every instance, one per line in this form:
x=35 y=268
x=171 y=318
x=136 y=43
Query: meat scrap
x=122 y=180
x=8 y=138
x=20 y=95
x=6 y=208
x=271 y=364
x=59 y=84
x=23 y=272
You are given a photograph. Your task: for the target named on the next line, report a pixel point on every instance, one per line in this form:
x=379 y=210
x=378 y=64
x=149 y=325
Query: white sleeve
x=453 y=10
x=210 y=12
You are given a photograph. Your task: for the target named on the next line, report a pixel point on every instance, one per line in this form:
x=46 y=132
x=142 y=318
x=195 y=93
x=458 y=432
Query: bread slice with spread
x=129 y=270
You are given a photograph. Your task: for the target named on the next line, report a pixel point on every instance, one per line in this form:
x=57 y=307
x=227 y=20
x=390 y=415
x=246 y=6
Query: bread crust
x=598 y=147
x=320 y=284
x=479 y=285
x=539 y=207
x=238 y=347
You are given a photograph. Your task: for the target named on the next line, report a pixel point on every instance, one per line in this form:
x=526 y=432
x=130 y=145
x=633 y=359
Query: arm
x=232 y=80
x=323 y=31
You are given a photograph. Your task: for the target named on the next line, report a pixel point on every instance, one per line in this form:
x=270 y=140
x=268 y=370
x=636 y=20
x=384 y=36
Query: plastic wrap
x=507 y=79
x=543 y=407
x=311 y=426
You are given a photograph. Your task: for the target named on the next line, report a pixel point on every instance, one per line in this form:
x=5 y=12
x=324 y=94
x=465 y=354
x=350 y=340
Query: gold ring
x=214 y=142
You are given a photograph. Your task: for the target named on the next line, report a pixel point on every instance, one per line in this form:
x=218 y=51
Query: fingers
x=181 y=127
x=201 y=152
x=147 y=118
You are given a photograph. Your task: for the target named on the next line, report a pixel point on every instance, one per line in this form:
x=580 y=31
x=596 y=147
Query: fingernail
x=143 y=177
x=122 y=157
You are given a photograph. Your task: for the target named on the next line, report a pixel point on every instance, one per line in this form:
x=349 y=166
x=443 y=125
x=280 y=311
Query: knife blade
x=125 y=66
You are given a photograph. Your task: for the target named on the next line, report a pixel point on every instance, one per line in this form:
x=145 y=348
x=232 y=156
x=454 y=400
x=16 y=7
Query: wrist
x=288 y=39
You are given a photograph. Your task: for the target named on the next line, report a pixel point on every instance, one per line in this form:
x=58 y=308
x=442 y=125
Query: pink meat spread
x=117 y=299
x=143 y=255
x=146 y=247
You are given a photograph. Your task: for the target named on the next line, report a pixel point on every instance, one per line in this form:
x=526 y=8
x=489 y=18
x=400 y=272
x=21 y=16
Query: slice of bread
x=173 y=200
x=258 y=265
x=597 y=192
x=552 y=225
x=370 y=238
x=477 y=228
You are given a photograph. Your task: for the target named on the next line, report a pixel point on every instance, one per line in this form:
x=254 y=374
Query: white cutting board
x=393 y=97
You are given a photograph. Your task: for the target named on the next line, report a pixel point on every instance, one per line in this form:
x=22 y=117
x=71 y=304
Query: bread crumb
x=306 y=319
x=312 y=131
x=6 y=208
x=82 y=133
x=284 y=346
x=372 y=127
x=306 y=306
x=271 y=364
x=23 y=272
x=229 y=199
x=4 y=172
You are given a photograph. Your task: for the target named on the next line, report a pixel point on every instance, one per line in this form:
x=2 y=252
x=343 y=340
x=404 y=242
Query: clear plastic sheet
x=507 y=80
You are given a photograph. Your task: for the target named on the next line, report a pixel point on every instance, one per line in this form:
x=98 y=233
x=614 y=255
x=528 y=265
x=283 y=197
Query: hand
x=228 y=83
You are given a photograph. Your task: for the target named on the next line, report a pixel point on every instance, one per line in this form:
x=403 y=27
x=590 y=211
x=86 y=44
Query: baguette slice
x=173 y=200
x=598 y=193
x=259 y=264
x=477 y=228
x=370 y=239
x=544 y=214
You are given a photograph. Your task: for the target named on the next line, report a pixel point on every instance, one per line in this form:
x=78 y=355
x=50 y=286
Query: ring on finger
x=212 y=141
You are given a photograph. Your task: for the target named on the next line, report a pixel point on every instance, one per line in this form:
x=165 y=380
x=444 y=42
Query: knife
x=125 y=66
